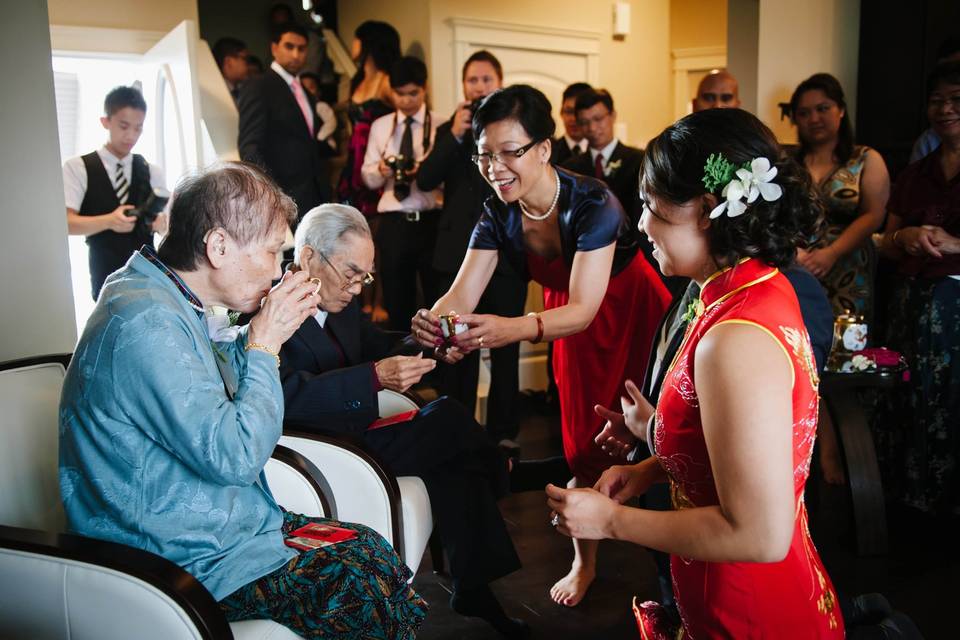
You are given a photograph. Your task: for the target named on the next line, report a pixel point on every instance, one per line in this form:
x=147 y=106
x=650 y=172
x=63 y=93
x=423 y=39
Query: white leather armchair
x=364 y=489
x=56 y=585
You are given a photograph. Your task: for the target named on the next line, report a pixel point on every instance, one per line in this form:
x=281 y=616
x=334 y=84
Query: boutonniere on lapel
x=694 y=310
x=222 y=327
x=613 y=166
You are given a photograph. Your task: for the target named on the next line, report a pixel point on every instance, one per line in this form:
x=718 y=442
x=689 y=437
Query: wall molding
x=692 y=60
x=101 y=40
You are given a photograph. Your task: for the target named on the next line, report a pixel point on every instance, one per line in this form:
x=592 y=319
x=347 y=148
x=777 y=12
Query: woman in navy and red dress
x=736 y=419
x=602 y=299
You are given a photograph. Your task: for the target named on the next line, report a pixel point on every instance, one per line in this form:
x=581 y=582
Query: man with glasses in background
x=333 y=367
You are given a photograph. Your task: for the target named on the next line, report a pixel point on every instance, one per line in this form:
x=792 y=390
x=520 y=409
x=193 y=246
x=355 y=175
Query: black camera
x=474 y=106
x=403 y=175
x=152 y=206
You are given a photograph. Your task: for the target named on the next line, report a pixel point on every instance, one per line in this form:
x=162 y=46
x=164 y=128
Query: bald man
x=717 y=90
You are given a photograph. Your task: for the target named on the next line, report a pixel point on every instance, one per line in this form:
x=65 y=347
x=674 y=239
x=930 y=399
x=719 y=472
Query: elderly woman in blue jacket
x=168 y=417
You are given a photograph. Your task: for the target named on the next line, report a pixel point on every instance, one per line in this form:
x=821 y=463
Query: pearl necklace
x=553 y=205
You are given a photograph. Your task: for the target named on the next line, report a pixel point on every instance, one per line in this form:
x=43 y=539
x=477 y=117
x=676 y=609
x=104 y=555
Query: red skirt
x=590 y=367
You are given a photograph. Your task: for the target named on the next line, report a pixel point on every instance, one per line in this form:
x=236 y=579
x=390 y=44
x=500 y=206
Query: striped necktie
x=121 y=186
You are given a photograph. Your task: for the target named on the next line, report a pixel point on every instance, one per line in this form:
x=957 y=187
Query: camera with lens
x=403 y=174
x=474 y=106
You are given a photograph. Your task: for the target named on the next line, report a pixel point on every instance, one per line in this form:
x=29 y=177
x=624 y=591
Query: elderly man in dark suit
x=331 y=370
x=278 y=121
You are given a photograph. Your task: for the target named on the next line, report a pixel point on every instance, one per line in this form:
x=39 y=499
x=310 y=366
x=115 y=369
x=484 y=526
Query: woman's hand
x=283 y=310
x=582 y=513
x=488 y=331
x=636 y=411
x=615 y=438
x=943 y=241
x=819 y=262
x=622 y=482
x=918 y=241
x=425 y=326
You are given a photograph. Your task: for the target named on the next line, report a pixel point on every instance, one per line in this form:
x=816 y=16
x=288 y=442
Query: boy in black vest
x=102 y=186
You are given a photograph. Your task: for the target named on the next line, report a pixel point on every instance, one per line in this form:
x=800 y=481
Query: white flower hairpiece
x=748 y=183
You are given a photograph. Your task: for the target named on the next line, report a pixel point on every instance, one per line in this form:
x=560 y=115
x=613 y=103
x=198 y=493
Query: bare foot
x=570 y=589
x=379 y=315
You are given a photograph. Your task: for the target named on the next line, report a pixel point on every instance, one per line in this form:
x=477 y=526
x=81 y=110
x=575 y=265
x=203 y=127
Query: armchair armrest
x=298 y=485
x=59 y=585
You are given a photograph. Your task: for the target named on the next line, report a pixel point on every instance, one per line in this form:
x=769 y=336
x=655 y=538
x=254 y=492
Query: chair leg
x=436 y=553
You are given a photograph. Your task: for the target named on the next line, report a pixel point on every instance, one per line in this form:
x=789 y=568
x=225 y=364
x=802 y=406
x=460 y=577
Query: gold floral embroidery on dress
x=678 y=498
x=827 y=602
x=799 y=342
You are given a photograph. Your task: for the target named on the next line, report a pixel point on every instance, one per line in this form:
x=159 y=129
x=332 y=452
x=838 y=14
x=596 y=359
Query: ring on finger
x=480 y=340
x=555 y=520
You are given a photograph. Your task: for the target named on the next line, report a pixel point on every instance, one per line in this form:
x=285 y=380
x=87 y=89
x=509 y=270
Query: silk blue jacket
x=160 y=450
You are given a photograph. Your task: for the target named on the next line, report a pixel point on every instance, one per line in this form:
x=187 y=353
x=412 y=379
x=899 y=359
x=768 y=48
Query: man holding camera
x=464 y=191
x=397 y=145
x=103 y=189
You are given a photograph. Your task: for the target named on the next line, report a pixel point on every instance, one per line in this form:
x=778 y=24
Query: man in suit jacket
x=464 y=191
x=278 y=121
x=331 y=370
x=572 y=142
x=616 y=164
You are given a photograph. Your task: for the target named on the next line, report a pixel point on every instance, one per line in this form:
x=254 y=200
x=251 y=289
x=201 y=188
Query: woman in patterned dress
x=853 y=184
x=735 y=422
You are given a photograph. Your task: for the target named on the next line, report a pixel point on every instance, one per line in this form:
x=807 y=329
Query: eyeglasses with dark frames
x=503 y=157
x=364 y=280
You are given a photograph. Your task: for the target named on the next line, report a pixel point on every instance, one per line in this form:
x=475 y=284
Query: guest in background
x=376 y=46
x=408 y=217
x=717 y=90
x=230 y=55
x=464 y=192
x=572 y=142
x=920 y=438
x=603 y=299
x=103 y=188
x=254 y=67
x=278 y=123
x=326 y=134
x=948 y=51
x=852 y=181
x=737 y=460
x=332 y=369
x=182 y=473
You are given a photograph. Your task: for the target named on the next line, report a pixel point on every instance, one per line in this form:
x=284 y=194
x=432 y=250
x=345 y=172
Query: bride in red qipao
x=603 y=300
x=735 y=422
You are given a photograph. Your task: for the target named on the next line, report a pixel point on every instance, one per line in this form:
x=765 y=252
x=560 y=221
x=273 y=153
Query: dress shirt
x=606 y=152
x=75 y=176
x=571 y=143
x=321 y=317
x=384 y=141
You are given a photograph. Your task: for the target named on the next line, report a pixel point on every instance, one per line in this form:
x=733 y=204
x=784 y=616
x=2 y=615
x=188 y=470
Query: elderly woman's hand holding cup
x=283 y=310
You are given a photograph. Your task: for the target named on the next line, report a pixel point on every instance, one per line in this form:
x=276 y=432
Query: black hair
x=225 y=48
x=949 y=47
x=408 y=70
x=122 y=97
x=255 y=61
x=673 y=170
x=238 y=197
x=288 y=27
x=943 y=73
x=588 y=99
x=519 y=102
x=278 y=8
x=378 y=41
x=312 y=76
x=831 y=88
x=482 y=56
x=575 y=89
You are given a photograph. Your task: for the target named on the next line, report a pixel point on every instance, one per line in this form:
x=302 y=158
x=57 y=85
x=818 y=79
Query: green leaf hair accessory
x=717 y=172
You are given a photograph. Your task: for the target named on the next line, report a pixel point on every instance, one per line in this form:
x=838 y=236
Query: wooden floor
x=920 y=576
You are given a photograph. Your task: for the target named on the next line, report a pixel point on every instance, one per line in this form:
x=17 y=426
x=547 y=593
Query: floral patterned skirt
x=918 y=427
x=849 y=284
x=354 y=589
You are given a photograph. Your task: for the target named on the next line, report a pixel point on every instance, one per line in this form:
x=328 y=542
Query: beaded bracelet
x=262 y=347
x=539 y=337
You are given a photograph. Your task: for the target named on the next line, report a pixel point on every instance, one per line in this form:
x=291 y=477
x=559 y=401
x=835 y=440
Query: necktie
x=304 y=104
x=120 y=185
x=402 y=189
x=575 y=150
x=598 y=166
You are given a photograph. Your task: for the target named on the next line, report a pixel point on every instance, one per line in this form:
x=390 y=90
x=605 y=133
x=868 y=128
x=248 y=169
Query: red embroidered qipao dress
x=793 y=598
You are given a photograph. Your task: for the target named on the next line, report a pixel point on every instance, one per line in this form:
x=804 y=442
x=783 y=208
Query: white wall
x=36 y=313
x=800 y=39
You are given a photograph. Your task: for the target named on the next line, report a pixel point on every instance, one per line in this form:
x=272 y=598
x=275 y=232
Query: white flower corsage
x=858 y=363
x=746 y=183
x=613 y=166
x=221 y=324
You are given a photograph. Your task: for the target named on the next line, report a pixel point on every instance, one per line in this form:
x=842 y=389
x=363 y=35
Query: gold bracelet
x=265 y=349
x=539 y=337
